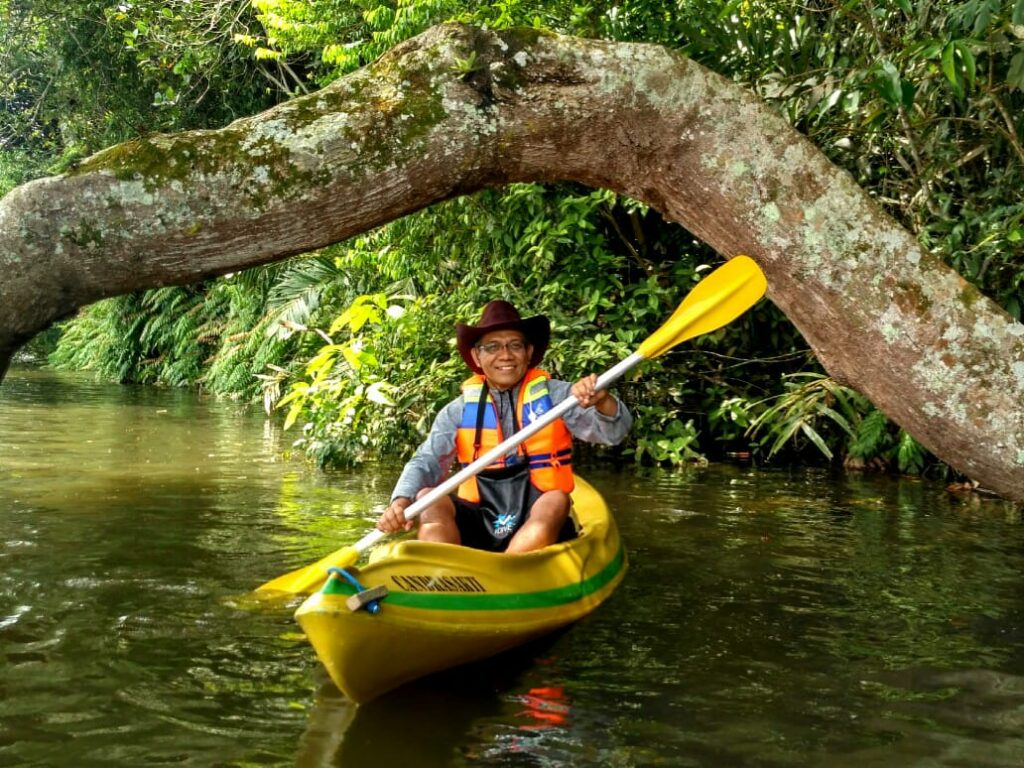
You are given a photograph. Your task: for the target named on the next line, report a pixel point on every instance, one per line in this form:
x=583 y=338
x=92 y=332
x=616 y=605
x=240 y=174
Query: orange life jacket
x=549 y=451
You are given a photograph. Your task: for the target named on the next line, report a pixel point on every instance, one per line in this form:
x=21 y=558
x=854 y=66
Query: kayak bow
x=448 y=605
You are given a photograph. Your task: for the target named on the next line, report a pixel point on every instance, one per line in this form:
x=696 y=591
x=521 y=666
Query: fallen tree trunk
x=458 y=109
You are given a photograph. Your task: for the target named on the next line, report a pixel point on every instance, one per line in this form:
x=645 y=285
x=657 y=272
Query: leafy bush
x=919 y=101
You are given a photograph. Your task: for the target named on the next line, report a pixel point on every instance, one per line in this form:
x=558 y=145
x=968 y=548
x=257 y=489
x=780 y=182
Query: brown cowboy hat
x=501 y=316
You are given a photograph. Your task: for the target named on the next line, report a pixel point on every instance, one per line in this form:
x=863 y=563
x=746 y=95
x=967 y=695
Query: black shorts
x=504 y=508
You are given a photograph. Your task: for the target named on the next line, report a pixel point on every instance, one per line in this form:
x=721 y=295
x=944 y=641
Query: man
x=521 y=502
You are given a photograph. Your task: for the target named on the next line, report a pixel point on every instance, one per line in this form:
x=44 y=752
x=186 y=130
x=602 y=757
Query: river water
x=769 y=618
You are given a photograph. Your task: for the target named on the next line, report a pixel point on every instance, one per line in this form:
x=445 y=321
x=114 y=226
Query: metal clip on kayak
x=363 y=598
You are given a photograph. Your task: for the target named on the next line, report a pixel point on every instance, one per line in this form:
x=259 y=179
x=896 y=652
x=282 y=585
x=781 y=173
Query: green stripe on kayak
x=456 y=601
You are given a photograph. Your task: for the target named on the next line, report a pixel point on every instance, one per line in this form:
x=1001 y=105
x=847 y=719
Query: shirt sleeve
x=432 y=461
x=589 y=424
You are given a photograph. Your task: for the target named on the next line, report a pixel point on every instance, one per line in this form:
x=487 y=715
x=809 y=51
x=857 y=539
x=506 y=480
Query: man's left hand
x=586 y=392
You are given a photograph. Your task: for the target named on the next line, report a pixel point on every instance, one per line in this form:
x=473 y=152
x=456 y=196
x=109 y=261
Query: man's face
x=502 y=364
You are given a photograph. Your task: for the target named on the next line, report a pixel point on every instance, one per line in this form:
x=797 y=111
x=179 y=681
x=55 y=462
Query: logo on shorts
x=503 y=524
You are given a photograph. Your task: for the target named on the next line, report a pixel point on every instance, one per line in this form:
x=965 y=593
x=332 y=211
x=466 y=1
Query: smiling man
x=521 y=502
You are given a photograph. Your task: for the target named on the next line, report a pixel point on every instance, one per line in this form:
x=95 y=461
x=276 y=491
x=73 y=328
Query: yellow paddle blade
x=307 y=580
x=717 y=300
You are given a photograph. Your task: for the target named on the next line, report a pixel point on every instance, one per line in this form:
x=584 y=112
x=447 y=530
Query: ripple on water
x=768 y=618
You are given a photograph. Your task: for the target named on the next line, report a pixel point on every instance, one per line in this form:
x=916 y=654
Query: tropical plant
x=811 y=404
x=79 y=75
x=817 y=411
x=921 y=102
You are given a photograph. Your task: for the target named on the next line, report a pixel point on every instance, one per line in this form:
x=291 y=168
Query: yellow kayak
x=447 y=605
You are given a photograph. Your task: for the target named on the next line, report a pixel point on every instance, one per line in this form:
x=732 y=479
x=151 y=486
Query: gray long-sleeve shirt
x=432 y=461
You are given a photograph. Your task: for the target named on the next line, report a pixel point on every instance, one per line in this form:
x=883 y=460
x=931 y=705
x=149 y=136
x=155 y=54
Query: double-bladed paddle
x=716 y=300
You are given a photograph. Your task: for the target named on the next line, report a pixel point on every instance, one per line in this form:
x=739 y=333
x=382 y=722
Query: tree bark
x=458 y=109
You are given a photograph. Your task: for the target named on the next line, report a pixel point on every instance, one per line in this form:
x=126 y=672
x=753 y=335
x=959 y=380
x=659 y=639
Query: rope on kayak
x=363 y=598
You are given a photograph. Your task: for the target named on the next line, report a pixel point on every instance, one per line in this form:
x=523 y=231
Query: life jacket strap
x=480 y=420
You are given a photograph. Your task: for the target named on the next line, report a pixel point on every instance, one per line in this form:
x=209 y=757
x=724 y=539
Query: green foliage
x=79 y=75
x=664 y=439
x=816 y=412
x=327 y=38
x=921 y=102
x=221 y=335
x=812 y=405
x=187 y=56
x=15 y=169
x=872 y=437
x=563 y=252
x=911 y=457
x=129 y=338
x=350 y=406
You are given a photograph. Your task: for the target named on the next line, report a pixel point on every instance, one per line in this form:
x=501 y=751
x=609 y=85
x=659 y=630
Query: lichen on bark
x=459 y=109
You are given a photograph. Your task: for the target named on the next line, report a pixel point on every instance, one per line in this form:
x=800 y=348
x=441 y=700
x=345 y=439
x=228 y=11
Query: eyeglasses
x=493 y=347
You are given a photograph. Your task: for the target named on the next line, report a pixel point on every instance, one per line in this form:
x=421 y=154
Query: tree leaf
x=907 y=93
x=293 y=414
x=817 y=439
x=888 y=83
x=838 y=418
x=983 y=19
x=353 y=358
x=970 y=67
x=910 y=455
x=784 y=433
x=951 y=70
x=378 y=393
x=1015 y=77
x=324 y=358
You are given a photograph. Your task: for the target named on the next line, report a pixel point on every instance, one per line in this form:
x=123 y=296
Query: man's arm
x=428 y=467
x=599 y=418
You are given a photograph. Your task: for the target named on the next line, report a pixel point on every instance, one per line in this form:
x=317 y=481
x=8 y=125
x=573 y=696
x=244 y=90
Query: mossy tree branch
x=420 y=126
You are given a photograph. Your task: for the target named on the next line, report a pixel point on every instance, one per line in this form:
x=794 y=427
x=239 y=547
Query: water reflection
x=770 y=618
x=514 y=710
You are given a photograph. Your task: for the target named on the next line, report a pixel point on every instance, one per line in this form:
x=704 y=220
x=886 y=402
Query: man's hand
x=393 y=518
x=585 y=390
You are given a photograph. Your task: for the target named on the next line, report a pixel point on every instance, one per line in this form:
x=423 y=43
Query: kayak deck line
x=476 y=601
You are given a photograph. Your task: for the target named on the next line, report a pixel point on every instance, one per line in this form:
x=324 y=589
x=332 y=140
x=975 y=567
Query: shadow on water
x=430 y=721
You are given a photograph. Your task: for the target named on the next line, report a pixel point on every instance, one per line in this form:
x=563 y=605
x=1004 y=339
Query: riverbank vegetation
x=353 y=346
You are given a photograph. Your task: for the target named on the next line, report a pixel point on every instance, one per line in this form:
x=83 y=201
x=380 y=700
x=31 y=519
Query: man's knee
x=553 y=506
x=442 y=510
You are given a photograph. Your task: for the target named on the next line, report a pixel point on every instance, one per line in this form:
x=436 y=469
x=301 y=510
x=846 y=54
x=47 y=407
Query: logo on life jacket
x=533 y=411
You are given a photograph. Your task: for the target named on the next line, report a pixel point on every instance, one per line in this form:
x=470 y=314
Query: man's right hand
x=393 y=518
